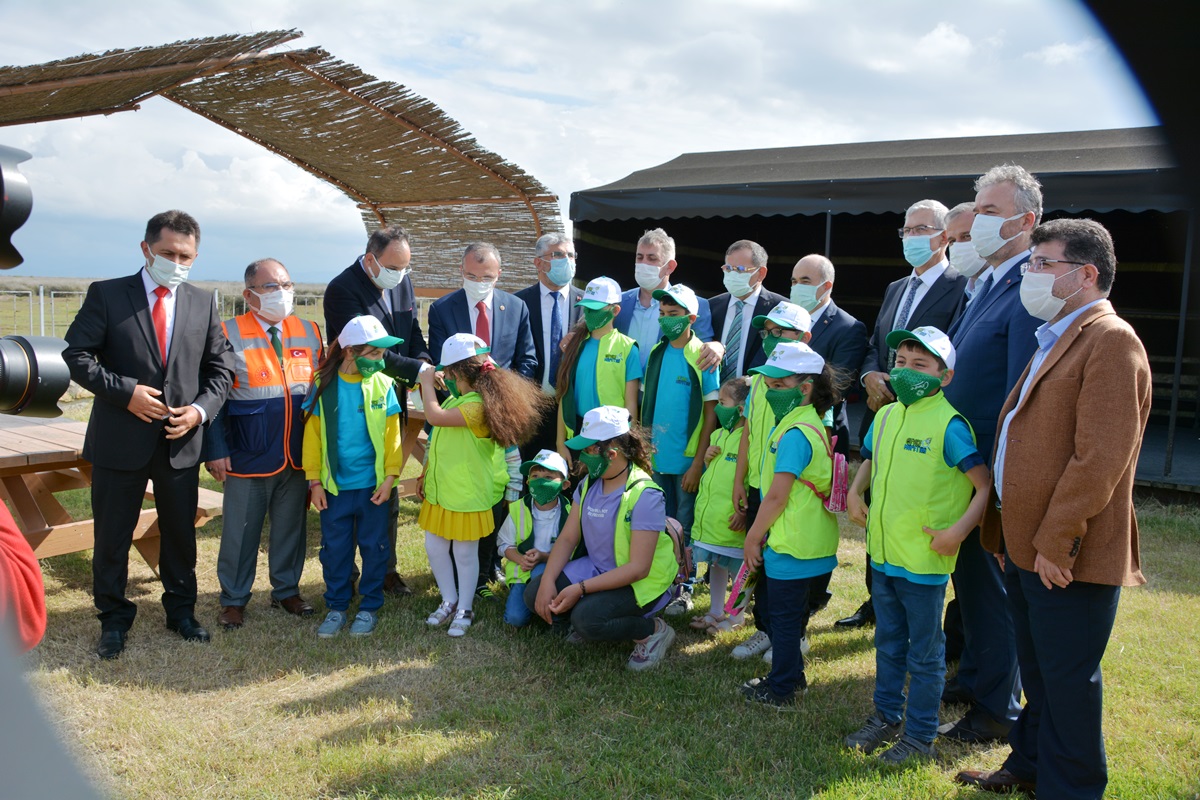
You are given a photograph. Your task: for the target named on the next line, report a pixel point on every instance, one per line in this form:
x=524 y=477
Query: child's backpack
x=683 y=553
x=839 y=486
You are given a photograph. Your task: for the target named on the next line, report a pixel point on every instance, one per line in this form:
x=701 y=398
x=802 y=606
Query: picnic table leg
x=148 y=546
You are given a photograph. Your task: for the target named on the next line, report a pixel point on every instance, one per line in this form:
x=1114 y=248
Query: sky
x=579 y=94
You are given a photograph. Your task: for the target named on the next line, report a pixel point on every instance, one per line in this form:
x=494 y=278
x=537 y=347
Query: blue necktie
x=555 y=337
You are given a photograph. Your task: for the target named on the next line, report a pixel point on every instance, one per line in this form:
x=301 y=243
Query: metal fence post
x=41 y=309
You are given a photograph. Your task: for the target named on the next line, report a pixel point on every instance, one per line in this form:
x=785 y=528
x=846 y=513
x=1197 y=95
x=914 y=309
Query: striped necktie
x=733 y=343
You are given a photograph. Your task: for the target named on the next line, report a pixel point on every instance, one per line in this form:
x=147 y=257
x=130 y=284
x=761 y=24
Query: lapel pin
x=501 y=308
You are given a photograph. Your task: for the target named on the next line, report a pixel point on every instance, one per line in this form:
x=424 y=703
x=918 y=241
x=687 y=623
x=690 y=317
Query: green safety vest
x=374 y=389
x=714 y=499
x=761 y=420
x=460 y=464
x=521 y=513
x=614 y=350
x=911 y=486
x=691 y=352
x=805 y=529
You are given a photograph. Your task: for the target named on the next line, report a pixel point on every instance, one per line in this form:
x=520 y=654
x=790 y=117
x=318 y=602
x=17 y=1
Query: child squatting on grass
x=351 y=459
x=920 y=460
x=490 y=410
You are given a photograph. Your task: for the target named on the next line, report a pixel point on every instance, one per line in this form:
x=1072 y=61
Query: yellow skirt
x=464 y=526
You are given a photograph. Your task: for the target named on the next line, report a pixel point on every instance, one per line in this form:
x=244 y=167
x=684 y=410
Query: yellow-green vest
x=912 y=487
x=460 y=463
x=374 y=389
x=611 y=357
x=805 y=529
x=521 y=513
x=695 y=413
x=761 y=419
x=714 y=498
x=664 y=566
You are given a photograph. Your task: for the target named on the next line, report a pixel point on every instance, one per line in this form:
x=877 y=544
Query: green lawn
x=270 y=711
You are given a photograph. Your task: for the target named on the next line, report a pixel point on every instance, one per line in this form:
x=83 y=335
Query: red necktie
x=160 y=320
x=482 y=329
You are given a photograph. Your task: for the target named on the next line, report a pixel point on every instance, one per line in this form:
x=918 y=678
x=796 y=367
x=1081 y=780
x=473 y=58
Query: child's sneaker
x=756 y=645
x=906 y=751
x=364 y=623
x=756 y=690
x=443 y=612
x=648 y=653
x=680 y=605
x=462 y=621
x=873 y=734
x=333 y=624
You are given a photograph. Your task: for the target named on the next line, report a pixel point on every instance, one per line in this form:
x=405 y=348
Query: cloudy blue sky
x=578 y=93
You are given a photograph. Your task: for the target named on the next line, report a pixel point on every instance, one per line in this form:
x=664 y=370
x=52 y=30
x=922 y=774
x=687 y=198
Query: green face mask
x=368 y=366
x=911 y=385
x=727 y=416
x=769 y=343
x=782 y=401
x=452 y=386
x=544 y=490
x=597 y=318
x=673 y=327
x=596 y=464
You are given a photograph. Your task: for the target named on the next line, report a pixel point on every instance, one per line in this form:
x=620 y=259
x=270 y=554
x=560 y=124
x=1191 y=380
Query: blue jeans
x=351 y=511
x=681 y=505
x=516 y=613
x=909 y=640
x=787 y=614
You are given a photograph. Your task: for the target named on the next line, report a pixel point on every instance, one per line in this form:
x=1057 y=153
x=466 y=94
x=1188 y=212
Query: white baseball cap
x=462 y=346
x=928 y=337
x=680 y=295
x=366 y=330
x=786 y=315
x=600 y=425
x=547 y=459
x=791 y=358
x=600 y=292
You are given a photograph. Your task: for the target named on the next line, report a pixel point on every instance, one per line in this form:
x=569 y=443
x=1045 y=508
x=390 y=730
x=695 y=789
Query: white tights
x=447 y=555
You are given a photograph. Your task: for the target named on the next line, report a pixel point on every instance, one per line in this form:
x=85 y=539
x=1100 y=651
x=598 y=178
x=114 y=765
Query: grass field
x=270 y=711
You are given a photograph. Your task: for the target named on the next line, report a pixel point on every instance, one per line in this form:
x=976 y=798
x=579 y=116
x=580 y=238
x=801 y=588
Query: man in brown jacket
x=1063 y=518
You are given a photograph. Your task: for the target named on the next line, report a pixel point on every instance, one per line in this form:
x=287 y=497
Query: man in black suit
x=150 y=347
x=745 y=298
x=552 y=311
x=378 y=285
x=932 y=294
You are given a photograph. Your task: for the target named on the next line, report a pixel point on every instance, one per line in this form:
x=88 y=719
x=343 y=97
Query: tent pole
x=1183 y=310
x=828 y=231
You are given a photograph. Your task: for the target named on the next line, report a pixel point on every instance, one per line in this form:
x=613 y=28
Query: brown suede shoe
x=295 y=605
x=999 y=782
x=231 y=617
x=393 y=584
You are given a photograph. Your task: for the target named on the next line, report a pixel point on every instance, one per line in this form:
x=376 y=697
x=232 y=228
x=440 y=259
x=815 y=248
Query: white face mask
x=387 y=279
x=965 y=260
x=738 y=283
x=806 y=296
x=477 y=290
x=985 y=233
x=646 y=276
x=167 y=273
x=277 y=305
x=1037 y=294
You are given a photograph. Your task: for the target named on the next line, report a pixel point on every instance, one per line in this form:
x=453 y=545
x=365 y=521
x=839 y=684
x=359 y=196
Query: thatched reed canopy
x=395 y=153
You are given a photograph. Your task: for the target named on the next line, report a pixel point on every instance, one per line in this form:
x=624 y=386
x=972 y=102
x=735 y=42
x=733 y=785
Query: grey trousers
x=248 y=501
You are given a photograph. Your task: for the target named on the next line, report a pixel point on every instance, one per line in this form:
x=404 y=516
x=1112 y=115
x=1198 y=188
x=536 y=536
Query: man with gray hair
x=745 y=298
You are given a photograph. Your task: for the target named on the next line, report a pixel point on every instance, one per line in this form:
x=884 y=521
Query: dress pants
x=1061 y=635
x=116 y=505
x=246 y=506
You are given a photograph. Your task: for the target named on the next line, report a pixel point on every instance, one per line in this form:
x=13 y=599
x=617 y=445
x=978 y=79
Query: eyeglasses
x=287 y=286
x=920 y=230
x=740 y=270
x=556 y=254
x=780 y=332
x=1037 y=264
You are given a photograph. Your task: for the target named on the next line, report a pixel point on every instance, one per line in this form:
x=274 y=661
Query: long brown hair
x=513 y=405
x=828 y=386
x=326 y=374
x=572 y=345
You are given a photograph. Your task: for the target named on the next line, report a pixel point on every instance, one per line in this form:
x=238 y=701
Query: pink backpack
x=839 y=486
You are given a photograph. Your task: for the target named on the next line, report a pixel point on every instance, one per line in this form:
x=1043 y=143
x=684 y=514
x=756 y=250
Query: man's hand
x=711 y=356
x=439 y=380
x=145 y=404
x=182 y=420
x=217 y=468
x=1051 y=574
x=879 y=391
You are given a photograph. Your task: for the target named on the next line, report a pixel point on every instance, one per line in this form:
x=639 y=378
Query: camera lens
x=33 y=375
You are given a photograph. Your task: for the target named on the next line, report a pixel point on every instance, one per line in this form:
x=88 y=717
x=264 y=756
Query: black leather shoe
x=955 y=695
x=189 y=629
x=974 y=728
x=111 y=644
x=999 y=782
x=859 y=619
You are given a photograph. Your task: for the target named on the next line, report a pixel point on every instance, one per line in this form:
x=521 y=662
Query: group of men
x=1041 y=355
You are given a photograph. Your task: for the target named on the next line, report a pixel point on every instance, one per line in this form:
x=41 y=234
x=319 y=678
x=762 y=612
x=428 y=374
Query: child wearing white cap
x=465 y=475
x=352 y=459
x=600 y=366
x=796 y=473
x=531 y=528
x=922 y=465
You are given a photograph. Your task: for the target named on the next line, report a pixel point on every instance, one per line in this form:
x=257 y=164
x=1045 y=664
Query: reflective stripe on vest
x=714 y=499
x=374 y=391
x=761 y=420
x=695 y=412
x=459 y=465
x=805 y=529
x=912 y=487
x=613 y=352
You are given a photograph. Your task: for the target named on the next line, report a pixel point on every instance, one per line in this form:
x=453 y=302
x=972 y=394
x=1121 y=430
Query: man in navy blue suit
x=994 y=339
x=745 y=297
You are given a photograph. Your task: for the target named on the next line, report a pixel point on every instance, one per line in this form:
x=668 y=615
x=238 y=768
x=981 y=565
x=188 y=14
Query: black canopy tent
x=789 y=198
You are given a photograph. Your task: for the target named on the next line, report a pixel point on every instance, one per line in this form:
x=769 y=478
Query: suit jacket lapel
x=142 y=313
x=941 y=287
x=499 y=318
x=1101 y=309
x=823 y=323
x=891 y=302
x=462 y=315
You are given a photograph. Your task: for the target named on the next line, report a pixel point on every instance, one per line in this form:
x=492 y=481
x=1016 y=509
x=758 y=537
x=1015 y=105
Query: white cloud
x=1066 y=53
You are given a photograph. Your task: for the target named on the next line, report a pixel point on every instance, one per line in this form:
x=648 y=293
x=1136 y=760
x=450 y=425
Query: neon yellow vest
x=714 y=498
x=374 y=389
x=521 y=513
x=664 y=566
x=805 y=529
x=911 y=486
x=761 y=420
x=614 y=350
x=695 y=411
x=465 y=472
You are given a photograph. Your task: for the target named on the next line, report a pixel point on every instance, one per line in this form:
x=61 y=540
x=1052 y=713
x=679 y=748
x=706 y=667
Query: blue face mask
x=562 y=271
x=917 y=250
